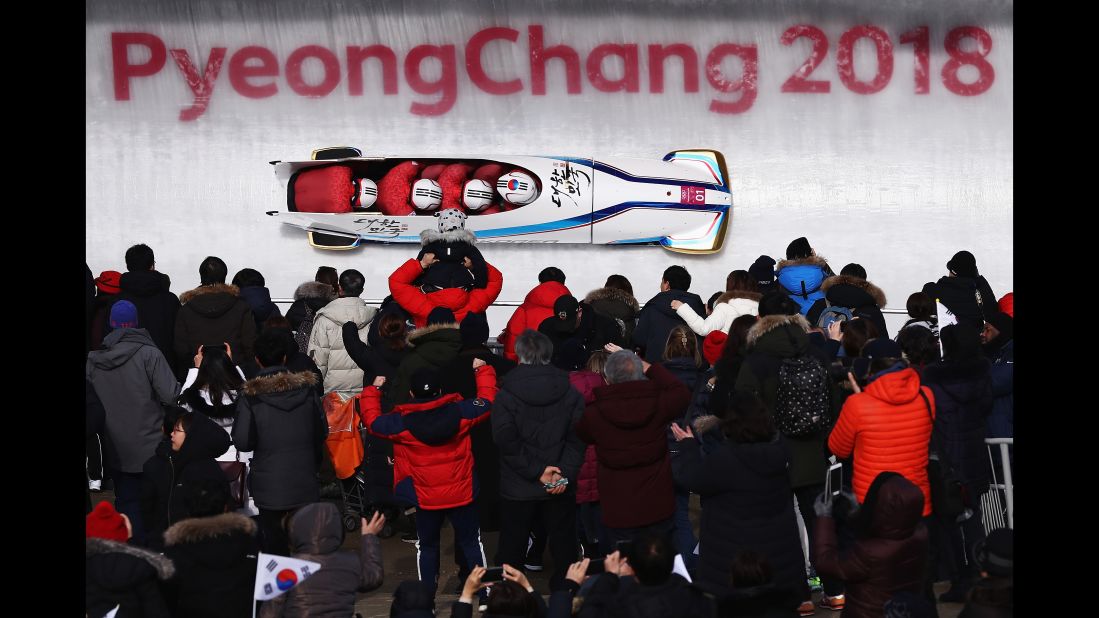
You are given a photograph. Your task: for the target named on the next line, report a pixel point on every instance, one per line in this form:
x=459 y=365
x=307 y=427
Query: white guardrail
x=993 y=510
x=515 y=303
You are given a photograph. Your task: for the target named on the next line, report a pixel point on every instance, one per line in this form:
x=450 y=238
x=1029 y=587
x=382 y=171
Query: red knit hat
x=108 y=281
x=105 y=523
x=712 y=346
x=1007 y=304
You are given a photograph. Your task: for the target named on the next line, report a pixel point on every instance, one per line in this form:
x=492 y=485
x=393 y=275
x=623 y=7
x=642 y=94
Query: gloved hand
x=852 y=502
x=823 y=505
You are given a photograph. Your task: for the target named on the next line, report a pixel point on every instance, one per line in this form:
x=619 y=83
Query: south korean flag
x=277 y=574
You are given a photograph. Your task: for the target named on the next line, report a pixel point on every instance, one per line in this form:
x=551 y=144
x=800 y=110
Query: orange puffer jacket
x=888 y=428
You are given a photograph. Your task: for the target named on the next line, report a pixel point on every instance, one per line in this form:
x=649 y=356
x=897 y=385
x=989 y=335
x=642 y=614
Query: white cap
x=517 y=188
x=426 y=194
x=477 y=195
x=367 y=194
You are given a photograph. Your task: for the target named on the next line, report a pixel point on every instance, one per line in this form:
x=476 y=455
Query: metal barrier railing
x=516 y=303
x=992 y=509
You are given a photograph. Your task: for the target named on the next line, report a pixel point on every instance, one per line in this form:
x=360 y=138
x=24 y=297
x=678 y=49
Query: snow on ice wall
x=882 y=132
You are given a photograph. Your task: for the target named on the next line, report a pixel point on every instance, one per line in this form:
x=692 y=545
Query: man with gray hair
x=540 y=455
x=627 y=422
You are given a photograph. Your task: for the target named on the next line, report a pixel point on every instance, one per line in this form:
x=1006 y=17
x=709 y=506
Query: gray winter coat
x=281 y=421
x=316 y=534
x=326 y=343
x=132 y=378
x=532 y=424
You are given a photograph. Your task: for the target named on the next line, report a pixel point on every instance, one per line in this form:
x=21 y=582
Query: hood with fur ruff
x=769 y=323
x=214 y=288
x=870 y=289
x=463 y=235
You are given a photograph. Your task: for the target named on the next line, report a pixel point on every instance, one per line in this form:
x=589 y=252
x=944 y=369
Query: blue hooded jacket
x=802 y=279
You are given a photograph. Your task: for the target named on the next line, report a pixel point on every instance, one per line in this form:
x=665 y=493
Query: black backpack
x=801 y=399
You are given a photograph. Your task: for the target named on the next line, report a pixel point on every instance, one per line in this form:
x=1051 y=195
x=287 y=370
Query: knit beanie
x=799 y=249
x=108 y=282
x=123 y=315
x=712 y=346
x=105 y=523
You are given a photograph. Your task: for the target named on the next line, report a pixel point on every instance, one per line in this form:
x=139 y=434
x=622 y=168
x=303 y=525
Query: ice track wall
x=882 y=131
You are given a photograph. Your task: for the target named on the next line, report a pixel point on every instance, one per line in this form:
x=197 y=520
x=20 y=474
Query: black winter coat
x=211 y=315
x=747 y=503
x=215 y=560
x=259 y=301
x=766 y=601
x=772 y=339
x=675 y=598
x=89 y=300
x=296 y=362
x=864 y=299
x=374 y=360
x=959 y=295
x=532 y=424
x=308 y=300
x=571 y=348
x=118 y=574
x=166 y=476
x=157 y=309
x=280 y=419
x=101 y=315
x=618 y=305
x=658 y=319
x=963 y=402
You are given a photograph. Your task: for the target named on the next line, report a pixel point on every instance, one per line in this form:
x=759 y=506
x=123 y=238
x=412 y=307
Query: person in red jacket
x=886 y=426
x=628 y=423
x=536 y=307
x=419 y=304
x=433 y=462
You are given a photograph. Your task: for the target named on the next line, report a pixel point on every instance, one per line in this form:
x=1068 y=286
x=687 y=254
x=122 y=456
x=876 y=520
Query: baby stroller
x=345 y=446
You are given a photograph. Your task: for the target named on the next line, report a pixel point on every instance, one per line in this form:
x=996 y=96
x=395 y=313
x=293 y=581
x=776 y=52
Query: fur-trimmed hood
x=769 y=323
x=727 y=296
x=431 y=328
x=463 y=235
x=214 y=288
x=314 y=289
x=812 y=260
x=872 y=290
x=614 y=295
x=280 y=382
x=198 y=529
x=101 y=547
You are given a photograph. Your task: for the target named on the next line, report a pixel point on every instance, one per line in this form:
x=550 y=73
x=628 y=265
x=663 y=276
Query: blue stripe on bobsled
x=624 y=175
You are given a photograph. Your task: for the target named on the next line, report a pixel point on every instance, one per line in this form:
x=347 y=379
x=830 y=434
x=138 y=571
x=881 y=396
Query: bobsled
x=342 y=199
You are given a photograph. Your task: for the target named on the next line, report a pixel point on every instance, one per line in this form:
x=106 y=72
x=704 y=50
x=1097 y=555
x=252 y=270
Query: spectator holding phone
x=510 y=594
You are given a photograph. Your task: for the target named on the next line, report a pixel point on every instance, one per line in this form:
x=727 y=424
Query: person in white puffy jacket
x=326 y=347
x=741 y=298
